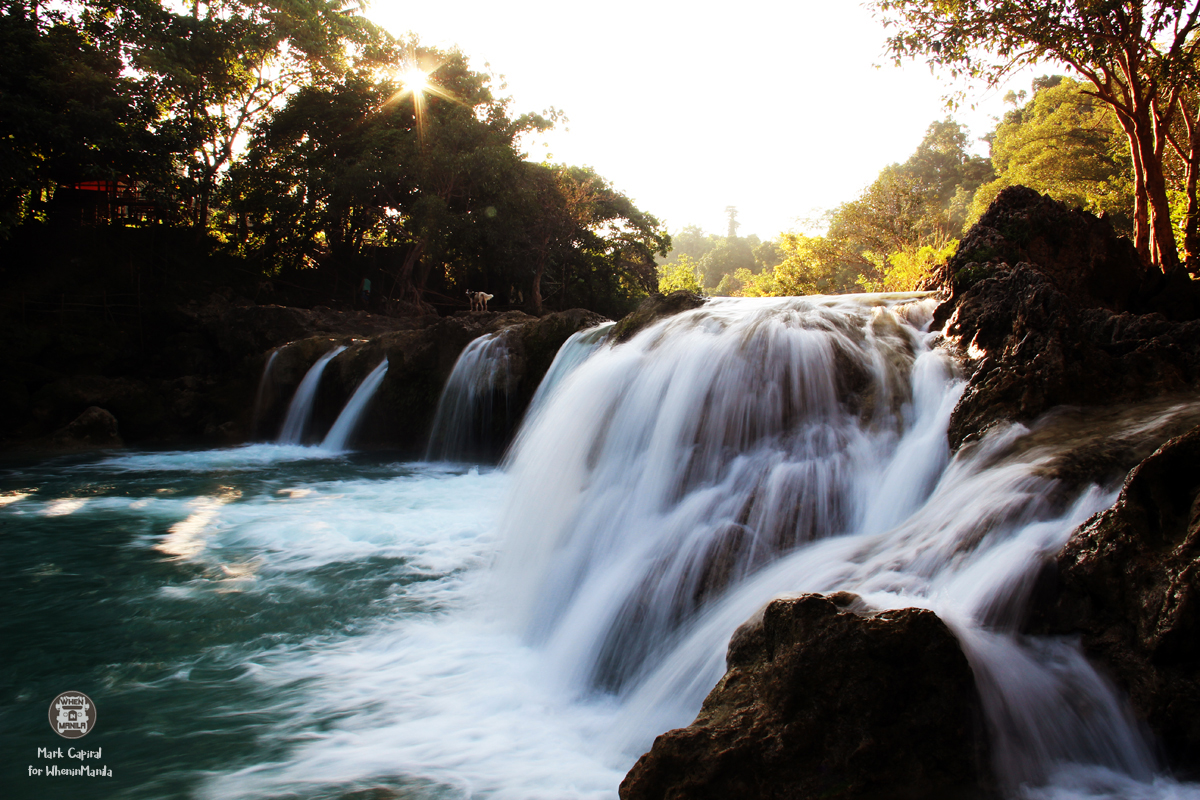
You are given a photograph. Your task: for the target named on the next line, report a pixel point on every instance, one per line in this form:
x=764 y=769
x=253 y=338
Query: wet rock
x=139 y=404
x=1048 y=307
x=95 y=427
x=1128 y=582
x=652 y=309
x=820 y=701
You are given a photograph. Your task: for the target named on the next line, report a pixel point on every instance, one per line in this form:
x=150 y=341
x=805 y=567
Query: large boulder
x=1081 y=255
x=821 y=701
x=95 y=427
x=1128 y=582
x=1048 y=307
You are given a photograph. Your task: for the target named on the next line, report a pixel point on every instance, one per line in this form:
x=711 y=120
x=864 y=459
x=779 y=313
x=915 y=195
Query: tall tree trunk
x=1191 y=220
x=1141 y=213
x=403 y=278
x=1153 y=234
x=1163 y=251
x=543 y=255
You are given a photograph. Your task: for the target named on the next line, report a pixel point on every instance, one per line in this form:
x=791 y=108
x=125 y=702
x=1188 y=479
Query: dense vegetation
x=1123 y=140
x=295 y=142
x=1139 y=58
x=296 y=149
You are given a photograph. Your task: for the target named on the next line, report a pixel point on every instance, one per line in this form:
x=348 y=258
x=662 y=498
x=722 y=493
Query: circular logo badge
x=72 y=714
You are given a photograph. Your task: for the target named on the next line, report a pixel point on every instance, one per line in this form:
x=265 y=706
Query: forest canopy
x=305 y=145
x=301 y=138
x=1139 y=59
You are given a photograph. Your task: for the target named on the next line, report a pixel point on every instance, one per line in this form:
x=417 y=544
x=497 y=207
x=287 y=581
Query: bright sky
x=776 y=108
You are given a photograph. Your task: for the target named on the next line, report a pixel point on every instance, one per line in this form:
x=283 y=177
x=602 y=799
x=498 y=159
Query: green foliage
x=1067 y=144
x=904 y=271
x=681 y=274
x=917 y=203
x=214 y=69
x=1139 y=58
x=728 y=256
x=279 y=129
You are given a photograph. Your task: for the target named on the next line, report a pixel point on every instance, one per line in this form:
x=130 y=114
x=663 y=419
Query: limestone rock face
x=822 y=702
x=1128 y=581
x=1049 y=307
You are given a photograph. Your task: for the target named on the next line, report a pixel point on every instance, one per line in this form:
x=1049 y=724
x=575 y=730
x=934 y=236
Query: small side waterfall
x=264 y=383
x=674 y=484
x=300 y=410
x=466 y=426
x=348 y=420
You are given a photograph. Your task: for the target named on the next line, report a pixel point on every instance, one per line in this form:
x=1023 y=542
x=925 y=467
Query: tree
x=67 y=114
x=1138 y=57
x=350 y=160
x=683 y=274
x=729 y=255
x=214 y=69
x=612 y=261
x=1065 y=143
x=437 y=181
x=733 y=223
x=1183 y=134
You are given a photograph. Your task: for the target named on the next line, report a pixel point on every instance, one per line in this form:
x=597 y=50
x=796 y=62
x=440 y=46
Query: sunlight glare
x=415 y=79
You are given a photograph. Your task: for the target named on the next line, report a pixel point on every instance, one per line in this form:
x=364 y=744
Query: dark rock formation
x=420 y=359
x=95 y=427
x=1048 y=307
x=1129 y=582
x=823 y=702
x=652 y=309
x=190 y=375
x=1081 y=255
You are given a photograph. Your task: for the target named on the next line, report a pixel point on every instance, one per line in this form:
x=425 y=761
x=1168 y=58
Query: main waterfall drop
x=672 y=485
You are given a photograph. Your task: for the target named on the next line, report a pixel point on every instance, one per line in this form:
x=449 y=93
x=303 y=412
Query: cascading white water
x=264 y=383
x=574 y=351
x=674 y=484
x=300 y=409
x=464 y=426
x=347 y=421
x=661 y=493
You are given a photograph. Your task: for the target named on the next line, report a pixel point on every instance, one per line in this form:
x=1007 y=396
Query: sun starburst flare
x=417 y=81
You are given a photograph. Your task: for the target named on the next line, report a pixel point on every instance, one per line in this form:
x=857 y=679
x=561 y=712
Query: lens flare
x=415 y=79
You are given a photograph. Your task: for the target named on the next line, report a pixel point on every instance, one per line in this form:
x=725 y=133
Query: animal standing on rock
x=479 y=300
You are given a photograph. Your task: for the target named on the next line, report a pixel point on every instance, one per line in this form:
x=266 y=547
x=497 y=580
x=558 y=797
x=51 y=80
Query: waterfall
x=348 y=420
x=263 y=384
x=574 y=351
x=752 y=448
x=300 y=409
x=465 y=426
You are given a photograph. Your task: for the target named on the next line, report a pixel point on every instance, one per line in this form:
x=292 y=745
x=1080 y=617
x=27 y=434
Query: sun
x=415 y=79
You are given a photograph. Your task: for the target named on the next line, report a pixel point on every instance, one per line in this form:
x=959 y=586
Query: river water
x=287 y=621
